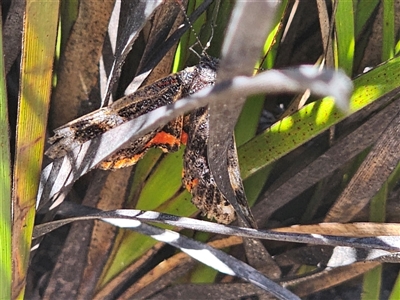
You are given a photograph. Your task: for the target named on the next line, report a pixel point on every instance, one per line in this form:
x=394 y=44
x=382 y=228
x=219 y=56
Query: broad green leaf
x=377 y=207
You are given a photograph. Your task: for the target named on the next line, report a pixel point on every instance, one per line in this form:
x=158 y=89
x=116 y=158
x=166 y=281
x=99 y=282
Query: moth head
x=209 y=62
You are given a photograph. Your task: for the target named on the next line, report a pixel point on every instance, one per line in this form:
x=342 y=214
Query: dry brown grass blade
x=259 y=258
x=12 y=33
x=371 y=175
x=353 y=230
x=165 y=21
x=342 y=151
x=113 y=286
x=112 y=195
x=372 y=36
x=213 y=291
x=93 y=241
x=328 y=278
x=78 y=65
x=325 y=25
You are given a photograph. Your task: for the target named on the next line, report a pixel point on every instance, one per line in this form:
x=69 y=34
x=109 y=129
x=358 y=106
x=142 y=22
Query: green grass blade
x=248 y=120
x=395 y=294
x=364 y=10
x=344 y=21
x=68 y=14
x=372 y=280
x=388 y=40
x=162 y=184
x=39 y=37
x=254 y=184
x=377 y=206
x=273 y=40
x=372 y=284
x=397 y=48
x=5 y=186
x=377 y=214
x=313 y=119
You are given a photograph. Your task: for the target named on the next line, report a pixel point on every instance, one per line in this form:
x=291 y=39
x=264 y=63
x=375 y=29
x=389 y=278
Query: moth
x=191 y=130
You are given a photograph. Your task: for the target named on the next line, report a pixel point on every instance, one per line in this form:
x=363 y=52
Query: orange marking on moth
x=184 y=138
x=121 y=162
x=163 y=138
x=192 y=184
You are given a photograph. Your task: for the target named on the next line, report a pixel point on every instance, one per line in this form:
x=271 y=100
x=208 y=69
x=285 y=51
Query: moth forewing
x=162 y=92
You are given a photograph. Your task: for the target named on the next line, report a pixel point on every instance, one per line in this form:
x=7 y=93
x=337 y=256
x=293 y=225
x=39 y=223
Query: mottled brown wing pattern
x=197 y=176
x=168 y=139
x=162 y=92
x=165 y=91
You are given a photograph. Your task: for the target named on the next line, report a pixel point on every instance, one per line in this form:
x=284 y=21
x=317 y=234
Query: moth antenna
x=213 y=24
x=194 y=51
x=198 y=42
x=209 y=41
